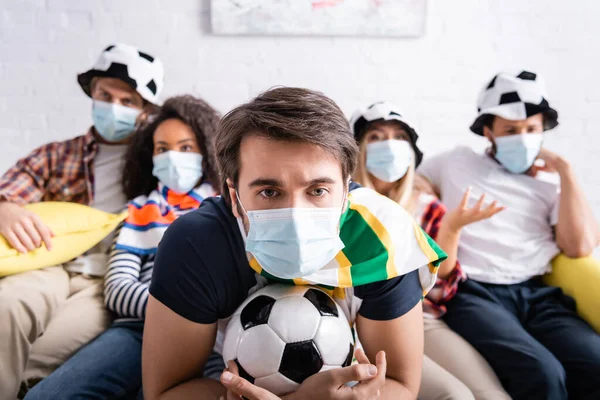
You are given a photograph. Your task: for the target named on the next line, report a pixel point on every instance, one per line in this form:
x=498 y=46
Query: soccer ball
x=283 y=334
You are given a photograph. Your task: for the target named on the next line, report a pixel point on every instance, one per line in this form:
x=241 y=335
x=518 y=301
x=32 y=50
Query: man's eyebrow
x=319 y=181
x=265 y=182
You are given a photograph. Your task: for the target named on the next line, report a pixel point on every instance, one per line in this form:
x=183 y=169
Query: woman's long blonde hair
x=403 y=189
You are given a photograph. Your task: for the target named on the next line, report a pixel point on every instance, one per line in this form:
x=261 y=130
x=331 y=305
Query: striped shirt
x=126 y=284
x=57 y=171
x=127 y=281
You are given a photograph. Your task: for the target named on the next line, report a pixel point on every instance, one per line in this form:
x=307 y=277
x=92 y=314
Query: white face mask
x=294 y=242
x=177 y=170
x=389 y=160
x=517 y=153
x=112 y=121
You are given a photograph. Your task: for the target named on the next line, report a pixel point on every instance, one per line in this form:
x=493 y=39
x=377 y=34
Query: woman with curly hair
x=169 y=171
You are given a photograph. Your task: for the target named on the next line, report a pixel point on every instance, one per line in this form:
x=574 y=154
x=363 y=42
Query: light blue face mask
x=177 y=170
x=389 y=160
x=294 y=242
x=112 y=121
x=517 y=153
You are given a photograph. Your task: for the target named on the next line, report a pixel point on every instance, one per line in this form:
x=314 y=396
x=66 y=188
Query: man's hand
x=24 y=230
x=238 y=386
x=324 y=385
x=551 y=162
x=462 y=215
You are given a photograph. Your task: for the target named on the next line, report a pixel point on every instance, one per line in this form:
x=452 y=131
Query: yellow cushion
x=77 y=228
x=580 y=279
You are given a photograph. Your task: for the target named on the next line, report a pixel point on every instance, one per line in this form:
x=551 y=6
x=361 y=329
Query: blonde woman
x=389 y=155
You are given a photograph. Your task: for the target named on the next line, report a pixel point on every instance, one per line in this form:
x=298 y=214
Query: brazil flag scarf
x=382 y=241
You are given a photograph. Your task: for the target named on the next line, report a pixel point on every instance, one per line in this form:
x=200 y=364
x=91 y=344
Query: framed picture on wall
x=395 y=18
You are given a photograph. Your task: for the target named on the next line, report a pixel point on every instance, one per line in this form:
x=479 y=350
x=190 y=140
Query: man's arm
x=174 y=353
x=577 y=230
x=402 y=341
x=25 y=181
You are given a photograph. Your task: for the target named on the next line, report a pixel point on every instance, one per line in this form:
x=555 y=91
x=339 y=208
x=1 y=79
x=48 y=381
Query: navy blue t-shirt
x=201 y=271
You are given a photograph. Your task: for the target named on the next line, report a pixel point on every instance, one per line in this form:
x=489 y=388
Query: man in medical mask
x=289 y=213
x=35 y=335
x=528 y=332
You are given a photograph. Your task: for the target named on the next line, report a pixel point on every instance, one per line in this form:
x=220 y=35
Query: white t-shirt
x=515 y=244
x=108 y=176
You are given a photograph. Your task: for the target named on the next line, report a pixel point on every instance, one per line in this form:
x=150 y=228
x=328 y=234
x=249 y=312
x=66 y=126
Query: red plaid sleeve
x=25 y=182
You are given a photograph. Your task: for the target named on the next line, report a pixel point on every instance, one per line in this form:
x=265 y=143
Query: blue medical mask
x=389 y=160
x=177 y=170
x=294 y=242
x=112 y=121
x=517 y=153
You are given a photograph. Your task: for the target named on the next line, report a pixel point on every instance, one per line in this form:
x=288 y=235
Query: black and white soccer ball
x=283 y=334
x=514 y=96
x=140 y=70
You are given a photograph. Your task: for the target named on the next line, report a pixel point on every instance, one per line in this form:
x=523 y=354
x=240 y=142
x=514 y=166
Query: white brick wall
x=44 y=43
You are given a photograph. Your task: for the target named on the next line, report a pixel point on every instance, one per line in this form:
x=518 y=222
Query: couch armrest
x=580 y=279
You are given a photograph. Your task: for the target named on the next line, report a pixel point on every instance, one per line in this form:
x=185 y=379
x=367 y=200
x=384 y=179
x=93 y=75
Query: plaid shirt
x=57 y=171
x=430 y=218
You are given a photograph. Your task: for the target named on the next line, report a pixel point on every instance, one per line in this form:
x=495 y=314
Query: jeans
x=531 y=336
x=110 y=367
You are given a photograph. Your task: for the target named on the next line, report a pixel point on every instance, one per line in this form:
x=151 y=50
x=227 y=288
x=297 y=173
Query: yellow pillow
x=77 y=228
x=580 y=279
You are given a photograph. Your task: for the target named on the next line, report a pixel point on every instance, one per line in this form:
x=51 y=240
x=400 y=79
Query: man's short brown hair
x=287 y=114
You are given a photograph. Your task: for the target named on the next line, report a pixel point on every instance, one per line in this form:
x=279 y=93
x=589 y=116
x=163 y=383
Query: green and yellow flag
x=381 y=241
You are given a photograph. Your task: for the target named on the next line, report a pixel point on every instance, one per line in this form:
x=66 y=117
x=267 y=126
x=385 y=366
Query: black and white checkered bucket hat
x=141 y=71
x=514 y=96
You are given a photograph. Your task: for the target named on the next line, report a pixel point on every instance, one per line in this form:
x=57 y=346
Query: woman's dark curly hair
x=198 y=115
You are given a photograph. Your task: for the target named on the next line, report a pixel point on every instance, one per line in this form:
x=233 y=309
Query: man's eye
x=269 y=193
x=319 y=192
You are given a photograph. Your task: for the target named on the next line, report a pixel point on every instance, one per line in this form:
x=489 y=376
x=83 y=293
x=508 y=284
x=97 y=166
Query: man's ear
x=234 y=198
